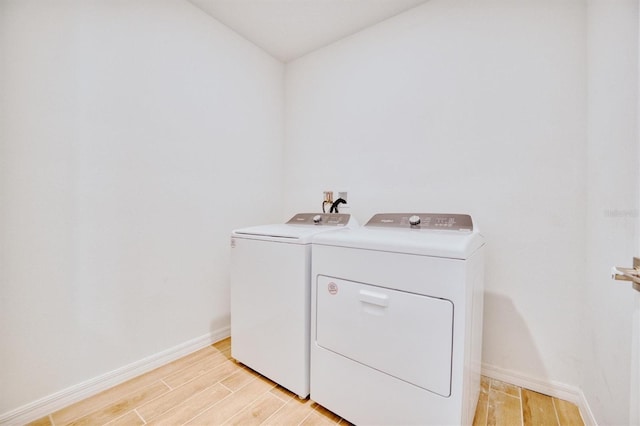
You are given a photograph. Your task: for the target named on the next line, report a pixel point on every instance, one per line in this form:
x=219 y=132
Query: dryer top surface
x=436 y=243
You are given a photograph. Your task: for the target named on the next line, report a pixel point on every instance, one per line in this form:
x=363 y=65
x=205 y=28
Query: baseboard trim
x=545 y=386
x=54 y=402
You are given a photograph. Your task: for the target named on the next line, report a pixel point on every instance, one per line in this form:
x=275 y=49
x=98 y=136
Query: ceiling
x=288 y=29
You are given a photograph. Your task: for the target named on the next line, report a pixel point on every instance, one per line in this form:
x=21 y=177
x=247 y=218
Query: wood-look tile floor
x=208 y=388
x=503 y=404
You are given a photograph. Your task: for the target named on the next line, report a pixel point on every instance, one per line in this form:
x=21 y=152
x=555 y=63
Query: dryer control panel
x=440 y=221
x=320 y=219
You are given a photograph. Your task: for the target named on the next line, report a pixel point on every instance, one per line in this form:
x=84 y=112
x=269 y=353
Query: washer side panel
x=270 y=301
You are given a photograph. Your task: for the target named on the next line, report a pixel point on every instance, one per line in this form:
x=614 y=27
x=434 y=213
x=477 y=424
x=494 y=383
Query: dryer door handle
x=372 y=298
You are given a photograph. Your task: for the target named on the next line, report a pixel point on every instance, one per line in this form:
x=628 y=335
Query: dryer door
x=408 y=336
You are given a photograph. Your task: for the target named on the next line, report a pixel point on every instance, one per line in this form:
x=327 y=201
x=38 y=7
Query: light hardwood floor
x=209 y=388
x=504 y=404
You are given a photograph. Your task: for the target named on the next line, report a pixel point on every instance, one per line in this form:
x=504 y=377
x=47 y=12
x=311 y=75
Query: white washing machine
x=270 y=296
x=396 y=320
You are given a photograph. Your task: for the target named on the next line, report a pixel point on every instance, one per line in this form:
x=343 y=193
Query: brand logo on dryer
x=332 y=288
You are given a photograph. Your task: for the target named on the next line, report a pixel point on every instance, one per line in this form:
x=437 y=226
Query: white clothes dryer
x=396 y=320
x=270 y=296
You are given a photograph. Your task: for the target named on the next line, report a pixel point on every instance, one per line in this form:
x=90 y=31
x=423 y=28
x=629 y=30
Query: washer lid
x=401 y=237
x=299 y=229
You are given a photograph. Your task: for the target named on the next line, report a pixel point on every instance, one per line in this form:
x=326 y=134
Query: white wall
x=612 y=205
x=134 y=136
x=465 y=106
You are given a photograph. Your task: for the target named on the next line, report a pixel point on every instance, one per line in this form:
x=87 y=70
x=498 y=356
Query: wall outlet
x=328 y=196
x=343 y=194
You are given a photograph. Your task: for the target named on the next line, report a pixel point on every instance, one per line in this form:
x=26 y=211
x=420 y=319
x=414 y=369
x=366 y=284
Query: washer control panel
x=451 y=222
x=320 y=219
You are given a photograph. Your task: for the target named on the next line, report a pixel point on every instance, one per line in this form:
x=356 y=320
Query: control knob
x=414 y=220
x=317 y=218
